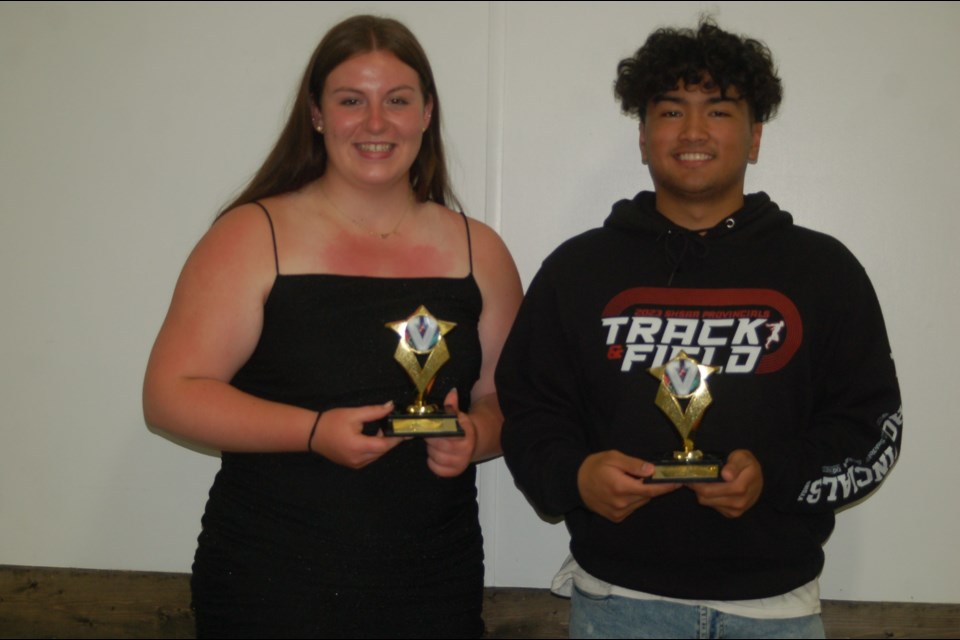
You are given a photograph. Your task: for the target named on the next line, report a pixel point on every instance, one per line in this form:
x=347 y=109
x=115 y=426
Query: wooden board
x=37 y=602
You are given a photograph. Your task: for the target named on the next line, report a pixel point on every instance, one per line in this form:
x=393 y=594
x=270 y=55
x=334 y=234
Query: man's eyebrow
x=727 y=98
x=675 y=99
x=665 y=98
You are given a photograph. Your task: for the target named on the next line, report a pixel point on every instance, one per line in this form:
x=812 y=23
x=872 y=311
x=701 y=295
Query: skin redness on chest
x=370 y=257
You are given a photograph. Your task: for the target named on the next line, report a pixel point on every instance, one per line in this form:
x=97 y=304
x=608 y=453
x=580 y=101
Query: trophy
x=685 y=379
x=421 y=352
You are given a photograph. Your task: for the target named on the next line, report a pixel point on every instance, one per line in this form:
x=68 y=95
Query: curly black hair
x=673 y=56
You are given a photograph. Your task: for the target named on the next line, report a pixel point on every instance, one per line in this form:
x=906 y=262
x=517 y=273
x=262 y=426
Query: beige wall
x=123 y=128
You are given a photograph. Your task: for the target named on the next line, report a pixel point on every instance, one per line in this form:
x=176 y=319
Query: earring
x=320 y=129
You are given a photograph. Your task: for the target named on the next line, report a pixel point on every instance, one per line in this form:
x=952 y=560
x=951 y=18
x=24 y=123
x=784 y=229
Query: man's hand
x=611 y=484
x=740 y=489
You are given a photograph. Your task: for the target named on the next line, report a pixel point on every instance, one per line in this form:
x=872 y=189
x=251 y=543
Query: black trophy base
x=423 y=425
x=705 y=469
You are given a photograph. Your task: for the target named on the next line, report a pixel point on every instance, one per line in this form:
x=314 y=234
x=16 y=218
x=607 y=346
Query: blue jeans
x=619 y=617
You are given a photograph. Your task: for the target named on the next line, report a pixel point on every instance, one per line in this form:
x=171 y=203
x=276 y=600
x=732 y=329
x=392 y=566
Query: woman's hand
x=339 y=436
x=449 y=456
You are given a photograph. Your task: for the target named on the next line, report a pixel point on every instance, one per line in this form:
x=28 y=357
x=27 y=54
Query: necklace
x=362 y=224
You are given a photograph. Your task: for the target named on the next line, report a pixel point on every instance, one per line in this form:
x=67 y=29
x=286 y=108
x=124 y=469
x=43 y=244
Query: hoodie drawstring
x=683 y=247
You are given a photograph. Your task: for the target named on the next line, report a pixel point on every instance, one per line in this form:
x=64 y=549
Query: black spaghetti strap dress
x=294 y=545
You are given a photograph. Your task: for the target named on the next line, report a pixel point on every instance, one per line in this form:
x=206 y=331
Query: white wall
x=124 y=127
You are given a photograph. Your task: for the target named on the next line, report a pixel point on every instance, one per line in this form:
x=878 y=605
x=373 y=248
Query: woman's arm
x=210 y=331
x=496 y=275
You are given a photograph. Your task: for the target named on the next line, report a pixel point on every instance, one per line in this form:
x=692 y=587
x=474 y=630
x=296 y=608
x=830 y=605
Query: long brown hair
x=299 y=155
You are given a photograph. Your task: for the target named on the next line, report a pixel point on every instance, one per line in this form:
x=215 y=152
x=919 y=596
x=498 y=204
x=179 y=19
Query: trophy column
x=685 y=379
x=422 y=351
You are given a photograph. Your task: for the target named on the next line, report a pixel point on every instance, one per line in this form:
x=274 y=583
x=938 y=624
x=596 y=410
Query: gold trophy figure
x=684 y=378
x=422 y=335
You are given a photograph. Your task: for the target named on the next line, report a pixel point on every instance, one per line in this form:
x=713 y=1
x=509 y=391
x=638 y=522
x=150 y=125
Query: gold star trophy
x=683 y=378
x=421 y=352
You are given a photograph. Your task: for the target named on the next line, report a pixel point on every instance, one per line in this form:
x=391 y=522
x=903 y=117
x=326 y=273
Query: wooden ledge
x=38 y=602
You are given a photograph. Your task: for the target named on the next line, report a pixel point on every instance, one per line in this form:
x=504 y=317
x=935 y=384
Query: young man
x=777 y=324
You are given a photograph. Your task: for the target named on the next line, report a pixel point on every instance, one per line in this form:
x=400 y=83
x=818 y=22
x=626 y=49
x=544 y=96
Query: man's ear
x=643 y=143
x=756 y=133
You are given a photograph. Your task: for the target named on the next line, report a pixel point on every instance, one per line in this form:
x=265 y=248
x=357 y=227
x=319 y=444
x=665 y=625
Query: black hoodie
x=807 y=384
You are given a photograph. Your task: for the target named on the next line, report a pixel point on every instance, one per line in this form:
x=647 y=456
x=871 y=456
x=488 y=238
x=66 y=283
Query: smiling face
x=373 y=115
x=698 y=144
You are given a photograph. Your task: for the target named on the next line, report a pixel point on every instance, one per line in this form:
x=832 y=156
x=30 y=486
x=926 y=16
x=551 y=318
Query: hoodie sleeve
x=543 y=442
x=854 y=438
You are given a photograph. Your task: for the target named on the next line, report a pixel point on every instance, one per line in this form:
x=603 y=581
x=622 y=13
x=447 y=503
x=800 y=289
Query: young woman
x=277 y=350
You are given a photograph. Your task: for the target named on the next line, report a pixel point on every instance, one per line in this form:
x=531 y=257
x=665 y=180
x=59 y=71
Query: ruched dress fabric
x=294 y=545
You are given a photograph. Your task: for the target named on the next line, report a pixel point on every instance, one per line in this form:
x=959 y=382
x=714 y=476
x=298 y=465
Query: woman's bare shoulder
x=244 y=222
x=486 y=242
x=238 y=248
x=271 y=224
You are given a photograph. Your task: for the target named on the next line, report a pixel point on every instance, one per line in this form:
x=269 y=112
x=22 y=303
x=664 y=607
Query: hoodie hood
x=640 y=215
x=685 y=249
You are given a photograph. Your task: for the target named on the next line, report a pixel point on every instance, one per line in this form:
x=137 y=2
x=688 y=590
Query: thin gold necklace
x=363 y=225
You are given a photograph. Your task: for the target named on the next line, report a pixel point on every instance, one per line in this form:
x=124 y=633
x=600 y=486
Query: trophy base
x=686 y=471
x=427 y=425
